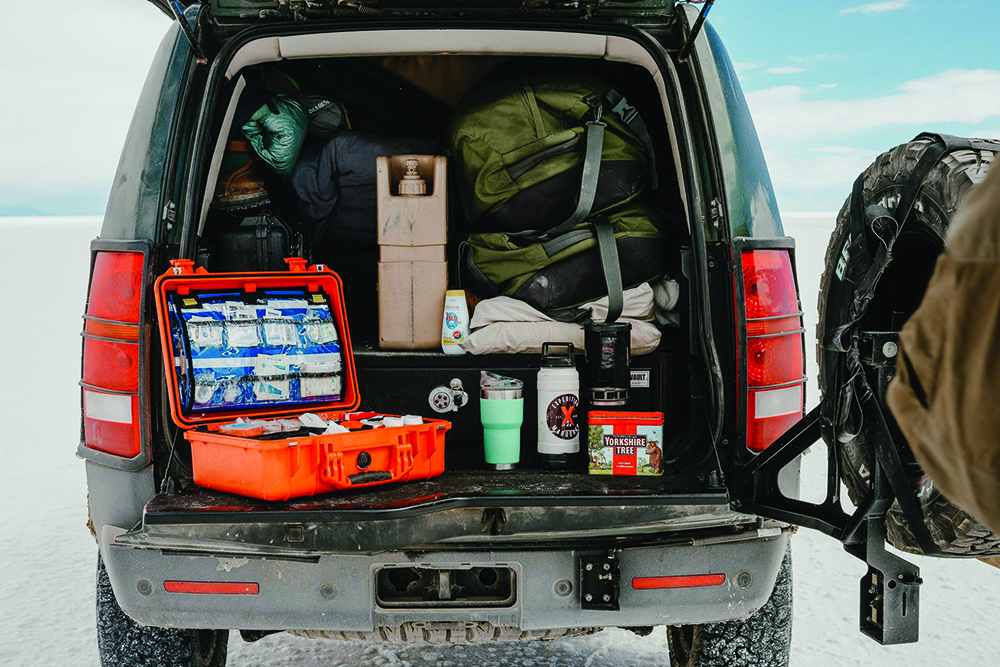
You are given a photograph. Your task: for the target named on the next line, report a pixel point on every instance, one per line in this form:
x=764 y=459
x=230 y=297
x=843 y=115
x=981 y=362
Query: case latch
x=296 y=264
x=182 y=267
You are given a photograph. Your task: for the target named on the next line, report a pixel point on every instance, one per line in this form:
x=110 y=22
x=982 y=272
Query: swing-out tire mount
x=890 y=591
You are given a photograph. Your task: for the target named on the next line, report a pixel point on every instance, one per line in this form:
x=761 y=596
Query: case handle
x=334 y=473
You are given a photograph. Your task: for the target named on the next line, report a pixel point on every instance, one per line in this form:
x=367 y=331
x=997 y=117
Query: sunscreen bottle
x=455 y=327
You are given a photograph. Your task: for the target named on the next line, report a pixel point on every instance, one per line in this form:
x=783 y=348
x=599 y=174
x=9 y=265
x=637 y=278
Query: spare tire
x=897 y=295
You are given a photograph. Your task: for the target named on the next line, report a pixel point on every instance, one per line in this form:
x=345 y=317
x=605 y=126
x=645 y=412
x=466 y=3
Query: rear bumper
x=337 y=592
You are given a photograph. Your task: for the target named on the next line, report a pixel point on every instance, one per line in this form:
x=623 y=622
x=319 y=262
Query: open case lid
x=295 y=302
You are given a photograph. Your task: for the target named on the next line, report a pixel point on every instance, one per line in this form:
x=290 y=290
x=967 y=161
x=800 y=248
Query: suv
x=469 y=556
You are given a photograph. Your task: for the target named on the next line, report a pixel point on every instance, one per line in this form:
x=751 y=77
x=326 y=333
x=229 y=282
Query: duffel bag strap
x=630 y=116
x=608 y=247
x=610 y=264
x=594 y=134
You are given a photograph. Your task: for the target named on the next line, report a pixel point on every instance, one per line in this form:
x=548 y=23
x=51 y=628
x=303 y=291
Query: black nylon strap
x=612 y=267
x=630 y=116
x=862 y=217
x=261 y=233
x=588 y=180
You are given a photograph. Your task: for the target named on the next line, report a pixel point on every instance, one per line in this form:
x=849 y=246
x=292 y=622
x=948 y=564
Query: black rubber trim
x=283 y=515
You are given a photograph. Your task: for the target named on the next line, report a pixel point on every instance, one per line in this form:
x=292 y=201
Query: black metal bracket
x=890 y=590
x=599 y=582
x=889 y=605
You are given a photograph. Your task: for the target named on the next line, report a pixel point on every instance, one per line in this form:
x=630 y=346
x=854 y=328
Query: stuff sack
x=539 y=151
x=570 y=269
x=277 y=131
x=325 y=116
x=335 y=185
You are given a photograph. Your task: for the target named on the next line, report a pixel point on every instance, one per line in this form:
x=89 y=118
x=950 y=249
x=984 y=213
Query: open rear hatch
x=229 y=11
x=465 y=504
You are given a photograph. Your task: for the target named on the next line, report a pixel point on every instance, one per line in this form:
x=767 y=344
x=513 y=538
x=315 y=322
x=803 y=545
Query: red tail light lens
x=772 y=346
x=115 y=286
x=769 y=284
x=111 y=363
x=774 y=360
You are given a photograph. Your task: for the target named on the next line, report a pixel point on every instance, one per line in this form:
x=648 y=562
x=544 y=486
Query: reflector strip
x=115 y=330
x=211 y=587
x=681 y=581
x=107 y=407
x=777 y=402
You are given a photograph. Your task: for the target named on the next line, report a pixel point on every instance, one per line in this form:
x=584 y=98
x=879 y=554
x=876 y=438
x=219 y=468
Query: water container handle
x=568 y=346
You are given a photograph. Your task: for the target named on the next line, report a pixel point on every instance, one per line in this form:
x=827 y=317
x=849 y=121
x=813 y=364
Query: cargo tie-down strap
x=865 y=270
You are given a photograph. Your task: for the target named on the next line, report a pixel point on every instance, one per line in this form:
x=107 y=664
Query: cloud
x=789 y=113
x=827 y=86
x=786 y=69
x=820 y=57
x=744 y=68
x=877 y=7
x=815 y=179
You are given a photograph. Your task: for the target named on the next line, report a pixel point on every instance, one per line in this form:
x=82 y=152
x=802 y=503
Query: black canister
x=609 y=362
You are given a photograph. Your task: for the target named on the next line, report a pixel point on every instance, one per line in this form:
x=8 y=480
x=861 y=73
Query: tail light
x=112 y=368
x=770 y=348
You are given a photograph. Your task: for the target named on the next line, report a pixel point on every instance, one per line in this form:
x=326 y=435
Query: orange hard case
x=299 y=466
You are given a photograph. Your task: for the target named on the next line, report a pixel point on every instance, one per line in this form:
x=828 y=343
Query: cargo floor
x=453 y=489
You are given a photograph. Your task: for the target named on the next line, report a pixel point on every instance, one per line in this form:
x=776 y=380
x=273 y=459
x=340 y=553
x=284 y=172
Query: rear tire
x=122 y=642
x=897 y=296
x=764 y=639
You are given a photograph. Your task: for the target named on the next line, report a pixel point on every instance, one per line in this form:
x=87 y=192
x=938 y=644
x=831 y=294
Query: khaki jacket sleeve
x=946 y=394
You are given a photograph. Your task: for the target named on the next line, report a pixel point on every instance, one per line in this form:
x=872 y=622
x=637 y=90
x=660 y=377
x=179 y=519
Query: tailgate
x=460 y=507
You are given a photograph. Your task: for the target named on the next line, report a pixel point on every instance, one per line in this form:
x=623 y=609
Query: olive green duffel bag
x=613 y=252
x=536 y=154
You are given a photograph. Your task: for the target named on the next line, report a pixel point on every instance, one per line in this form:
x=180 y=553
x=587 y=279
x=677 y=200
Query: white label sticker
x=640 y=378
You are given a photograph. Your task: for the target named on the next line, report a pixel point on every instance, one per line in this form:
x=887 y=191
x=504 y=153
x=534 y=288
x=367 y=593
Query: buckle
x=596 y=108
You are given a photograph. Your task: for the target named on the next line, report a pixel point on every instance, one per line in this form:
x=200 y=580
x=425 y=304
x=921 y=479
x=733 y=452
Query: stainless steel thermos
x=558 y=406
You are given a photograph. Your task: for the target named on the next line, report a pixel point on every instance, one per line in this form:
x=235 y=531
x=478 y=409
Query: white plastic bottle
x=558 y=407
x=455 y=326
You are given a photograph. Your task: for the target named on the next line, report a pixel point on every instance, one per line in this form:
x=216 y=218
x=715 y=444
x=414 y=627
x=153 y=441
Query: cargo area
x=411 y=99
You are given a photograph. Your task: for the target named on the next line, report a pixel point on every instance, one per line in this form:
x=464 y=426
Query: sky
x=831 y=84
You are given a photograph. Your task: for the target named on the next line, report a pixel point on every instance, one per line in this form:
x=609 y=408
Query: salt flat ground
x=47 y=563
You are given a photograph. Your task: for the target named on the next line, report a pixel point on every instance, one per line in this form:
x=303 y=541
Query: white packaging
x=455 y=327
x=241 y=324
x=310 y=420
x=204 y=332
x=272 y=427
x=272 y=378
x=278 y=330
x=319 y=328
x=327 y=384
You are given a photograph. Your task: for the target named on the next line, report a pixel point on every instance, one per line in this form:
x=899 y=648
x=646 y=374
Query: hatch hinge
x=188 y=30
x=170 y=214
x=715 y=213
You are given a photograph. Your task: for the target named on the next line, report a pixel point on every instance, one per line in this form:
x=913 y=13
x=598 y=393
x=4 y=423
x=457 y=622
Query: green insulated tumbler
x=501 y=407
